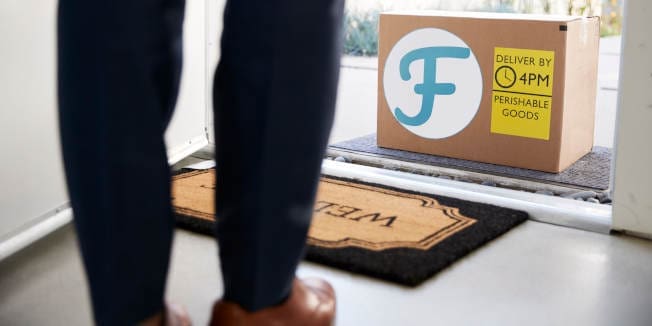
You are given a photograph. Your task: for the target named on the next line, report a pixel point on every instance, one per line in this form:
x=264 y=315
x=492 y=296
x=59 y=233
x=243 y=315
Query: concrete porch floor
x=537 y=274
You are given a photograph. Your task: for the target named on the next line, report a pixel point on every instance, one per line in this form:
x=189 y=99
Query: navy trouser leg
x=274 y=96
x=119 y=63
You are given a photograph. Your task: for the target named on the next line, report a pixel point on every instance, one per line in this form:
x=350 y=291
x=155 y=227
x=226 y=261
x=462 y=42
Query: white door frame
x=631 y=176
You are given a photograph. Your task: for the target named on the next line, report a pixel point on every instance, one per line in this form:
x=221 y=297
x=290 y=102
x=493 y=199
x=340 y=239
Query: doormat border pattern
x=189 y=222
x=411 y=267
x=426 y=243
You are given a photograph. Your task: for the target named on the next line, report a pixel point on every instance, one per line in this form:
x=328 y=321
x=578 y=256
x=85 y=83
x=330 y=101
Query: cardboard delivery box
x=516 y=90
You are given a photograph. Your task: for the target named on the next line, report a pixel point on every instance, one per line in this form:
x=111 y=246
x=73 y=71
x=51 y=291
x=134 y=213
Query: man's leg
x=119 y=63
x=274 y=96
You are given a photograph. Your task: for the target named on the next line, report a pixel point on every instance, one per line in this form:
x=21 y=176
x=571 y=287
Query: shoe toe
x=177 y=315
x=322 y=287
x=325 y=311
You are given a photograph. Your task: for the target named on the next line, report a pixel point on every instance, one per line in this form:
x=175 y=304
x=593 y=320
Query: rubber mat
x=591 y=171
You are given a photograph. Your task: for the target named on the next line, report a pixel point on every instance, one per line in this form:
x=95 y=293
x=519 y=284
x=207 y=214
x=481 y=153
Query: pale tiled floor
x=537 y=274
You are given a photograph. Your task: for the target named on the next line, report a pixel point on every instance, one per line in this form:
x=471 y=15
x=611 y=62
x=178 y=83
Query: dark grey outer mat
x=591 y=171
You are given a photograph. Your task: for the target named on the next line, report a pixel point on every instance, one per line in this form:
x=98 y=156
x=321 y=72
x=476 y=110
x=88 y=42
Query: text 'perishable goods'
x=522 y=92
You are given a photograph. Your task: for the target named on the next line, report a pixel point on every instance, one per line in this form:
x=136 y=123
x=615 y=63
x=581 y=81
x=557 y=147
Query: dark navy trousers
x=119 y=65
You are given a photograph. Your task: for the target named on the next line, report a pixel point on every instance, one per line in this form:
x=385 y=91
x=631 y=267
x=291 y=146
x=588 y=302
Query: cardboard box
x=516 y=90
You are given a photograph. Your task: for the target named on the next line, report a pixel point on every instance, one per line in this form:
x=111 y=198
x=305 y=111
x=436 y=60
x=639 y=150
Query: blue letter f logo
x=429 y=88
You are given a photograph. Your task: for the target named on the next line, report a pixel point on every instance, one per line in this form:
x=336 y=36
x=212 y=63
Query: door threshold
x=548 y=209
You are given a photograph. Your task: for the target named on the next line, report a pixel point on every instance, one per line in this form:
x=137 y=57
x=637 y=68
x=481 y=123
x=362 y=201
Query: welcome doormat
x=392 y=234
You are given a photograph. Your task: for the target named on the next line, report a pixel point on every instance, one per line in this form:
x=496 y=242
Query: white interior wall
x=30 y=166
x=214 y=12
x=187 y=131
x=32 y=190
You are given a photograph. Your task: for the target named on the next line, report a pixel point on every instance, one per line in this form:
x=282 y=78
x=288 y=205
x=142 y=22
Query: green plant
x=547 y=6
x=611 y=20
x=361 y=33
x=610 y=13
x=583 y=7
x=498 y=6
x=361 y=26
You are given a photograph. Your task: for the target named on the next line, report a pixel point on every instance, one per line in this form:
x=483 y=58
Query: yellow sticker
x=522 y=92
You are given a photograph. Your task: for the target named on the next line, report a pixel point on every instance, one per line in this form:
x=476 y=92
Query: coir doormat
x=392 y=234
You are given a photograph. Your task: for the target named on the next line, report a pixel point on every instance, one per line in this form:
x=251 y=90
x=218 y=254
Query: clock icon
x=505 y=76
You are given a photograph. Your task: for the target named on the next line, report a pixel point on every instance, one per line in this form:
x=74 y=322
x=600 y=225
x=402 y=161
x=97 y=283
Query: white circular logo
x=432 y=83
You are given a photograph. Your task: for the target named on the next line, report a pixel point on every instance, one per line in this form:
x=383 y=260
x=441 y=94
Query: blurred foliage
x=361 y=33
x=361 y=26
x=612 y=18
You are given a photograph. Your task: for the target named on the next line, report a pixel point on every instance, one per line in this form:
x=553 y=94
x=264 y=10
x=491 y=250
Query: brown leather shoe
x=173 y=315
x=312 y=302
x=176 y=315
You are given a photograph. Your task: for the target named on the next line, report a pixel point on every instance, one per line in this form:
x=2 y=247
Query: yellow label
x=522 y=92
